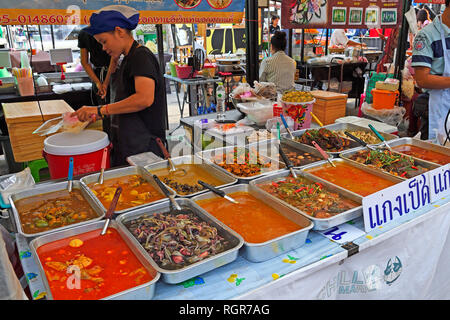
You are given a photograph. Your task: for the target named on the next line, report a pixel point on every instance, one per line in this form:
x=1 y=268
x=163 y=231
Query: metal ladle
x=172 y=169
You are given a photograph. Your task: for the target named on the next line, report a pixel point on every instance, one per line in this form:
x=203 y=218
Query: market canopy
x=60 y=12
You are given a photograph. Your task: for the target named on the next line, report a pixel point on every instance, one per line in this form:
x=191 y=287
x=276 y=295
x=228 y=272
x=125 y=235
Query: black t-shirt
x=97 y=56
x=272 y=29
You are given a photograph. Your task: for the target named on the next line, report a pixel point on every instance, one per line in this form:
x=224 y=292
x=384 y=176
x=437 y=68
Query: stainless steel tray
x=428 y=165
x=273 y=152
x=48 y=188
x=111 y=174
x=258 y=252
x=319 y=224
x=421 y=144
x=286 y=138
x=197 y=268
x=365 y=168
x=353 y=127
x=208 y=154
x=144 y=291
x=193 y=159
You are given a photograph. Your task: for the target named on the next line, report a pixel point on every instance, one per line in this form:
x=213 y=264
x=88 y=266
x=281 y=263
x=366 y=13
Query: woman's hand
x=100 y=89
x=86 y=114
x=104 y=90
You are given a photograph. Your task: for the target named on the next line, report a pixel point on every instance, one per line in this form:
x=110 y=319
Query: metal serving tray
x=144 y=291
x=208 y=154
x=48 y=188
x=421 y=144
x=193 y=159
x=269 y=150
x=111 y=174
x=375 y=172
x=353 y=127
x=286 y=138
x=258 y=252
x=197 y=268
x=428 y=165
x=319 y=224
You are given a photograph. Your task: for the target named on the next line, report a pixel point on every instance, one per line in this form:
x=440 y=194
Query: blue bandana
x=110 y=17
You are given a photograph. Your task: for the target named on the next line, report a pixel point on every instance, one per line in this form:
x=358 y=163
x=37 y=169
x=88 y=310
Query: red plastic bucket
x=86 y=148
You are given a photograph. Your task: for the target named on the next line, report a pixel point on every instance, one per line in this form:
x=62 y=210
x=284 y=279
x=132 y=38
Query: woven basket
x=184 y=71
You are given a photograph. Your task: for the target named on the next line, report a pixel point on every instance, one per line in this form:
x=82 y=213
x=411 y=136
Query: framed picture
x=372 y=16
x=339 y=15
x=389 y=16
x=355 y=16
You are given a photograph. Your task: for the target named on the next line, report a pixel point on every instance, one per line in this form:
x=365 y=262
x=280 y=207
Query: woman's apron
x=133 y=135
x=439 y=103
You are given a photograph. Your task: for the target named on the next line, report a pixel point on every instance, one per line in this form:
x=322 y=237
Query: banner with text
x=340 y=14
x=78 y=12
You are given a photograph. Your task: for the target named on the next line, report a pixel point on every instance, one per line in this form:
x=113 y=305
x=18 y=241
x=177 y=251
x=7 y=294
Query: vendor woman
x=138 y=84
x=279 y=68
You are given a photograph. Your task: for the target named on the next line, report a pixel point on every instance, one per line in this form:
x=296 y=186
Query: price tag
x=342 y=233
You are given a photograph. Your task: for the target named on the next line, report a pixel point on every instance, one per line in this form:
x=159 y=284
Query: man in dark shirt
x=139 y=86
x=274 y=24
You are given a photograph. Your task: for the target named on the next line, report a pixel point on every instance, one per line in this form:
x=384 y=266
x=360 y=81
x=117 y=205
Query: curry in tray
x=424 y=154
x=53 y=210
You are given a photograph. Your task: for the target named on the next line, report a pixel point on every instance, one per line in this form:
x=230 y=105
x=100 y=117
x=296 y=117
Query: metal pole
x=251 y=28
x=53 y=36
x=302 y=48
x=8 y=33
x=326 y=42
x=40 y=36
x=162 y=67
x=290 y=43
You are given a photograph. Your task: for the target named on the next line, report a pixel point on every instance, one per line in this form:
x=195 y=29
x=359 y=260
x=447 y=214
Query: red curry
x=424 y=154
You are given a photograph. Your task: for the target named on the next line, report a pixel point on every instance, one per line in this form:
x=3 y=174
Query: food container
x=421 y=144
x=47 y=188
x=329 y=105
x=116 y=173
x=300 y=112
x=142 y=292
x=197 y=268
x=208 y=155
x=258 y=252
x=428 y=165
x=258 y=111
x=227 y=180
x=353 y=127
x=299 y=133
x=319 y=224
x=360 y=166
x=384 y=99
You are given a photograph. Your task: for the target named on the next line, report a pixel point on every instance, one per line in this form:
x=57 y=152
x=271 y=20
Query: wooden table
x=22 y=118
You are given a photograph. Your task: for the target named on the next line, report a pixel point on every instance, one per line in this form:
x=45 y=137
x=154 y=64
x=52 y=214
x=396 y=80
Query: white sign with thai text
x=342 y=233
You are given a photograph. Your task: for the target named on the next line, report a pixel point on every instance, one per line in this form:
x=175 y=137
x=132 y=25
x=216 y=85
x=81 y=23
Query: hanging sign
x=431 y=1
x=340 y=14
x=410 y=195
x=78 y=12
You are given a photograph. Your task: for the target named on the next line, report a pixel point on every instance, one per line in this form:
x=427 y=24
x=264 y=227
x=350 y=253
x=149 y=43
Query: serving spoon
x=287 y=162
x=70 y=175
x=217 y=191
x=167 y=193
x=323 y=153
x=360 y=141
x=172 y=169
x=111 y=209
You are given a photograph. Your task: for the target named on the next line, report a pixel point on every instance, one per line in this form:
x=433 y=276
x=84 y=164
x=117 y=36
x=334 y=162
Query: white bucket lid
x=70 y=144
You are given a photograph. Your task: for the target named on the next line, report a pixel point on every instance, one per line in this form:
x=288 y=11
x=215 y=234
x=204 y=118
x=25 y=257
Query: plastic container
x=258 y=112
x=183 y=71
x=209 y=70
x=86 y=148
x=25 y=86
x=300 y=112
x=173 y=69
x=277 y=109
x=384 y=99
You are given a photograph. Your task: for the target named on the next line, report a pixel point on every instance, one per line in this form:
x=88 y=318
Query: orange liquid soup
x=424 y=154
x=255 y=221
x=107 y=266
x=351 y=178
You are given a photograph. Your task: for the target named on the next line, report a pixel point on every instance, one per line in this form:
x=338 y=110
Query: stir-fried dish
x=185 y=182
x=351 y=178
x=53 y=210
x=394 y=163
x=308 y=196
x=428 y=155
x=254 y=220
x=136 y=191
x=175 y=241
x=104 y=264
x=366 y=136
x=326 y=139
x=243 y=163
x=299 y=158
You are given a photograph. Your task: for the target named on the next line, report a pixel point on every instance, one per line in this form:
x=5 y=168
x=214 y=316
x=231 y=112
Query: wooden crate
x=329 y=106
x=22 y=118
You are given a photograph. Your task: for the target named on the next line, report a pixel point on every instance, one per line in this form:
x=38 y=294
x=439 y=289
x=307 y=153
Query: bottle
x=220 y=100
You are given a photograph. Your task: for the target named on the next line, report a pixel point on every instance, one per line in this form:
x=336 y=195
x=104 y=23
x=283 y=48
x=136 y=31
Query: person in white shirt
x=340 y=39
x=279 y=68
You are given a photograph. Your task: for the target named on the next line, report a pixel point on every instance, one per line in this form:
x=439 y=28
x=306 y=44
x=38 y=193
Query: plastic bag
x=271 y=124
x=16 y=182
x=390 y=116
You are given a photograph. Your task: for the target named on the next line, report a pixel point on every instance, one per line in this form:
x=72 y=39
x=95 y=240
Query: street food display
x=297 y=96
x=53 y=210
x=424 y=154
x=184 y=180
x=308 y=196
x=136 y=191
x=105 y=263
x=394 y=163
x=366 y=136
x=254 y=220
x=351 y=178
x=177 y=240
x=298 y=157
x=326 y=139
